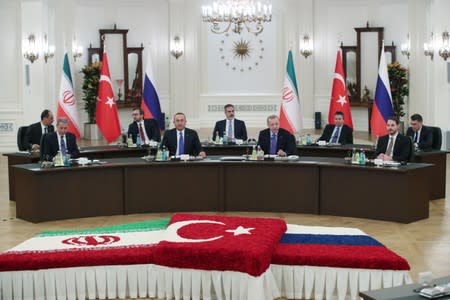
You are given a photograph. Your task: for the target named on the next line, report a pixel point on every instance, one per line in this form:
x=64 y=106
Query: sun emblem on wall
x=243 y=54
x=241 y=49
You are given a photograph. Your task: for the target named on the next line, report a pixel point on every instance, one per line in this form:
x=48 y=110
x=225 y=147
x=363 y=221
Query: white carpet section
x=135 y=281
x=142 y=281
x=300 y=229
x=307 y=282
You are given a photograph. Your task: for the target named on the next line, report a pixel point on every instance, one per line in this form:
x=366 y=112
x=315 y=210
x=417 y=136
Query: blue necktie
x=335 y=137
x=181 y=144
x=63 y=146
x=273 y=144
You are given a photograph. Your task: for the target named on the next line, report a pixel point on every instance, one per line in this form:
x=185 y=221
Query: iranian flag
x=290 y=116
x=67 y=104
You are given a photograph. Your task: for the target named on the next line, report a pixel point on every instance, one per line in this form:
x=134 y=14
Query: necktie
x=181 y=144
x=63 y=146
x=273 y=144
x=335 y=137
x=390 y=145
x=230 y=129
x=45 y=130
x=141 y=133
x=415 y=137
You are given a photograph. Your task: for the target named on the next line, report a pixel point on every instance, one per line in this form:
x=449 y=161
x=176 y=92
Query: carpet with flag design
x=247 y=245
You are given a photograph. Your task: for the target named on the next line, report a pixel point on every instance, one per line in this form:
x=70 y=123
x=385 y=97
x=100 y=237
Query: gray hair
x=271 y=117
x=63 y=121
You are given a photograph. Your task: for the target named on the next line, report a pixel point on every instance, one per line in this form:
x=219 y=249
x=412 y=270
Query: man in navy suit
x=181 y=140
x=230 y=127
x=36 y=130
x=60 y=140
x=147 y=129
x=276 y=140
x=393 y=146
x=421 y=136
x=339 y=132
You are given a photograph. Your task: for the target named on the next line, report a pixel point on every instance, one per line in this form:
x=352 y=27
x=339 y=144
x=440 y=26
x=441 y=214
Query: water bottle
x=164 y=154
x=308 y=139
x=58 y=159
x=130 y=141
x=362 y=157
x=260 y=153
x=159 y=154
x=217 y=141
x=138 y=140
x=254 y=154
x=356 y=157
x=353 y=155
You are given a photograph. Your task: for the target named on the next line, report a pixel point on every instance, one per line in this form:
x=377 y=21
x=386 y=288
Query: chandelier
x=224 y=14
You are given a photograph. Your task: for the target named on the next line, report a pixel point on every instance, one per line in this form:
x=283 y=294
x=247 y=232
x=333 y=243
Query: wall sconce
x=444 y=51
x=428 y=47
x=77 y=50
x=31 y=48
x=49 y=51
x=306 y=46
x=406 y=47
x=176 y=47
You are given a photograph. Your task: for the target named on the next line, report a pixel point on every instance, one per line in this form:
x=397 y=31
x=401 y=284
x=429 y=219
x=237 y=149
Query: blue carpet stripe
x=327 y=239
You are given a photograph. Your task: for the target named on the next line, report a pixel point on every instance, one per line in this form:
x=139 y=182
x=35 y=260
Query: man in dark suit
x=181 y=140
x=276 y=140
x=339 y=132
x=147 y=129
x=393 y=146
x=59 y=140
x=231 y=128
x=35 y=130
x=421 y=136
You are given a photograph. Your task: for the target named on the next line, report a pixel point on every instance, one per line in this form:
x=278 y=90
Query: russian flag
x=382 y=105
x=150 y=100
x=338 y=247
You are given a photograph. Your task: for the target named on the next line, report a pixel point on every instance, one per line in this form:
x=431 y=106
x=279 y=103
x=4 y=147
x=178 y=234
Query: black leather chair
x=22 y=143
x=437 y=137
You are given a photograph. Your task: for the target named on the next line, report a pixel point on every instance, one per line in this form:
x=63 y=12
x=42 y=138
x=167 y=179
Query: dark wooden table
x=405 y=292
x=436 y=175
x=132 y=185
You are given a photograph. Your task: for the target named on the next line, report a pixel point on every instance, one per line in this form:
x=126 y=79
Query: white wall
x=200 y=82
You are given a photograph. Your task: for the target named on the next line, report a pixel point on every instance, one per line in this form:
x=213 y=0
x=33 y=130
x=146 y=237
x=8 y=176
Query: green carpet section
x=160 y=224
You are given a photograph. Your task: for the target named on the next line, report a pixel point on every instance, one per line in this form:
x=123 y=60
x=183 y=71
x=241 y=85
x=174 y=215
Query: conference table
x=311 y=185
x=436 y=174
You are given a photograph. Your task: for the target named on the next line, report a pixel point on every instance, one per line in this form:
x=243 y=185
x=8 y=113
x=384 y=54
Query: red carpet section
x=235 y=243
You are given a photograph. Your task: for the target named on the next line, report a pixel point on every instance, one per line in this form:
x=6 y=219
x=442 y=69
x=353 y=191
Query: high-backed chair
x=22 y=143
x=437 y=137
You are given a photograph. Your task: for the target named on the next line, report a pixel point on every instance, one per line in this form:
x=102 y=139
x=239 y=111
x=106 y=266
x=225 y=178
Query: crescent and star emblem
x=173 y=236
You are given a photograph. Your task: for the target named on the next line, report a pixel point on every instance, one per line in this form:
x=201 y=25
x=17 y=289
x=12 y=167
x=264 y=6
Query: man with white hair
x=59 y=140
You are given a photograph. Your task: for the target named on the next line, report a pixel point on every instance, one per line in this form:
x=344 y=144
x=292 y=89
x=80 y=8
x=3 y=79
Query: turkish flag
x=339 y=97
x=106 y=111
x=220 y=243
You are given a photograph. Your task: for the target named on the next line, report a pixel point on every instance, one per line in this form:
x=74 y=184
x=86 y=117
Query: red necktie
x=141 y=132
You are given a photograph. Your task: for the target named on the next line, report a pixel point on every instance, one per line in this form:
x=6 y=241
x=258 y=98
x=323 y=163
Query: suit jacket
x=402 y=147
x=240 y=131
x=285 y=141
x=346 y=136
x=151 y=129
x=50 y=145
x=425 y=139
x=192 y=144
x=34 y=134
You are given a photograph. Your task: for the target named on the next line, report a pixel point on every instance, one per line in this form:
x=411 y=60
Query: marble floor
x=425 y=244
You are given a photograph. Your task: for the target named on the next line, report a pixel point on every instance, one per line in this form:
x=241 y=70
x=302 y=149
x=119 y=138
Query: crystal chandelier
x=444 y=51
x=225 y=13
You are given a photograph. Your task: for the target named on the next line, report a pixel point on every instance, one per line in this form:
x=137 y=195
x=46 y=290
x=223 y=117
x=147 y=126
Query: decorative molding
x=245 y=107
x=6 y=126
